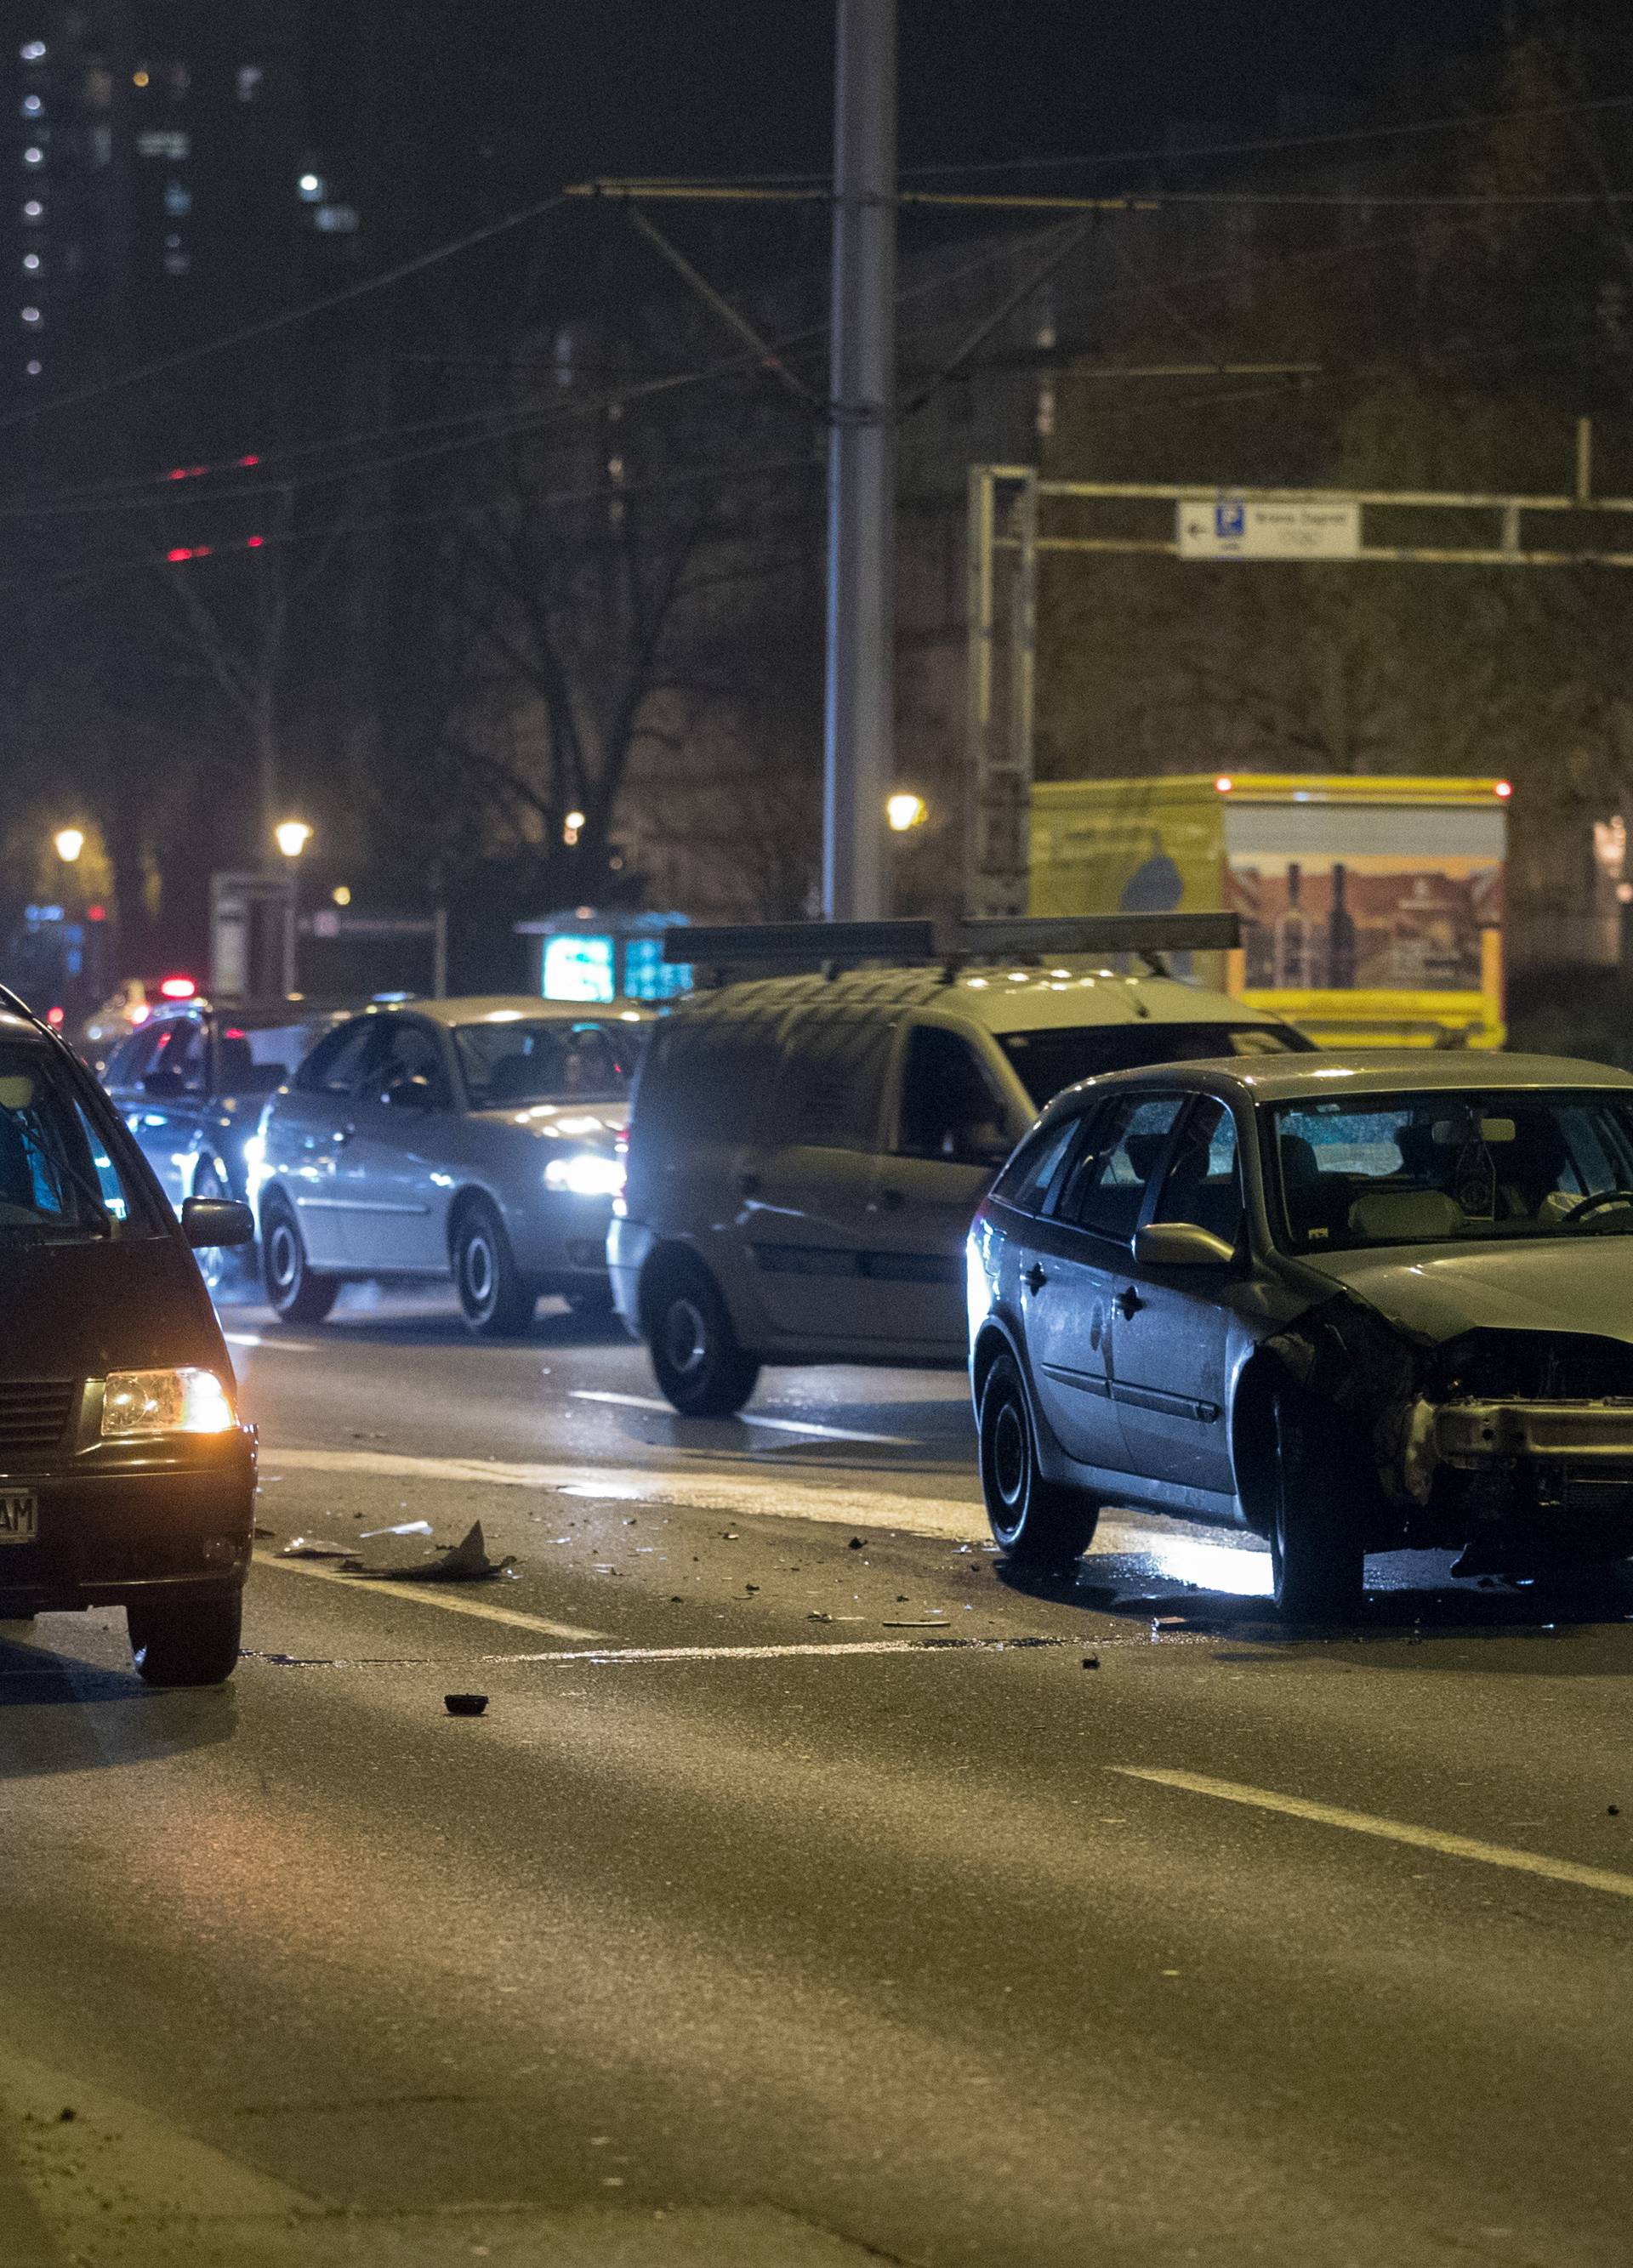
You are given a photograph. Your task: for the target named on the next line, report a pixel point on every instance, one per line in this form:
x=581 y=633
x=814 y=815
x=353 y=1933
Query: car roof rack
x=831 y=947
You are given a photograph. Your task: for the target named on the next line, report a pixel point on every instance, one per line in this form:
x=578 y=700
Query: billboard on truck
x=1371 y=907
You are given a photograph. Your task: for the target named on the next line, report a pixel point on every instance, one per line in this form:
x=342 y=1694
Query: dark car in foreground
x=480 y=1139
x=191 y=1084
x=1355 y=1304
x=126 y=1477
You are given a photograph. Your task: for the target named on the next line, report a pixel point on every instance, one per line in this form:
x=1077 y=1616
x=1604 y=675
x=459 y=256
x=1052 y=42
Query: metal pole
x=860 y=678
x=291 y=918
x=440 y=953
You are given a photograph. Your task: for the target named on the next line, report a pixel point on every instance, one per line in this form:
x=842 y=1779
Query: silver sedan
x=1356 y=1303
x=479 y=1139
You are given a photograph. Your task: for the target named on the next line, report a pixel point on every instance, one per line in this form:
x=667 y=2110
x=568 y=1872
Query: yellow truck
x=1372 y=906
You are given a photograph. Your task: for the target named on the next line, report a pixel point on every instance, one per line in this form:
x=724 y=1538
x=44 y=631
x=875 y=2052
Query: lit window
x=33 y=210
x=178 y=200
x=33 y=104
x=34 y=155
x=335 y=220
x=164 y=143
x=31 y=314
x=249 y=79
x=310 y=187
x=32 y=51
x=31 y=261
x=139 y=78
x=34 y=369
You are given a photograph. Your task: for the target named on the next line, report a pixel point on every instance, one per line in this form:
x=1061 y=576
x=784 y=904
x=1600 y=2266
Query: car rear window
x=1048 y=1061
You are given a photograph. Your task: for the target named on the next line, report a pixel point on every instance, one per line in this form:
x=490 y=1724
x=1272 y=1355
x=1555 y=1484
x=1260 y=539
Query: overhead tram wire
x=1264 y=145
x=99 y=389
x=1140 y=200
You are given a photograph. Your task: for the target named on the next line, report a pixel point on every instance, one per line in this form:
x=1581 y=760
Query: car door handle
x=1034 y=1278
x=1129 y=1303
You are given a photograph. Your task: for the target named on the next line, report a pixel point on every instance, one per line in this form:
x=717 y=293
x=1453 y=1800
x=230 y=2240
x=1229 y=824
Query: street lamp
x=292 y=836
x=904 y=810
x=68 y=842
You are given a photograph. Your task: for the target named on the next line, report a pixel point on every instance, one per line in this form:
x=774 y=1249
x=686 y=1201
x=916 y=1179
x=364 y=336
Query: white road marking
x=747 y=1417
x=431 y=1594
x=1393 y=1830
x=779 y=1653
x=946 y=1518
x=278 y=1346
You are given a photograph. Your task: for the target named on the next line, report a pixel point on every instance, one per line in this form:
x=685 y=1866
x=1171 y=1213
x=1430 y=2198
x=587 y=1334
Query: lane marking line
x=943 y=1519
x=747 y=1417
x=1392 y=1831
x=431 y=1594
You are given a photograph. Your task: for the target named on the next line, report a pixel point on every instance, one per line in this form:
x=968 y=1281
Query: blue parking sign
x=1229 y=520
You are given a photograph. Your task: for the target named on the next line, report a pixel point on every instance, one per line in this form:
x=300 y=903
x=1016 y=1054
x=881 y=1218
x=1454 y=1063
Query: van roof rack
x=833 y=946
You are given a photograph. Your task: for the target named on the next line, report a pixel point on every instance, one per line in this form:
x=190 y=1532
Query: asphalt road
x=803 y=1896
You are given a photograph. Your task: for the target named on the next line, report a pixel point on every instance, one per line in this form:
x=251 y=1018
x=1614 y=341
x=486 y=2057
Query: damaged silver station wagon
x=1352 y=1303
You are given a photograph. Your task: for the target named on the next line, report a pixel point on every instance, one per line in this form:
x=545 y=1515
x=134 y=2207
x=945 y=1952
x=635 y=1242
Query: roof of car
x=1326 y=1076
x=510 y=1008
x=1000 y=997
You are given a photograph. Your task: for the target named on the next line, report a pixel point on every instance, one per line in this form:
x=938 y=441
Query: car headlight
x=585 y=1174
x=145 y=1402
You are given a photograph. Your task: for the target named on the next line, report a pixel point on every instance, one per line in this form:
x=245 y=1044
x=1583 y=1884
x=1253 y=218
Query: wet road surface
x=802 y=1894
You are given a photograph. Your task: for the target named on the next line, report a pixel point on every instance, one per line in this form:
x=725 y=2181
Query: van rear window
x=1048 y=1061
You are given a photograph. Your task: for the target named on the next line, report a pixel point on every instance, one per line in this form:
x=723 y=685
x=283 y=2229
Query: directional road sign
x=1225 y=527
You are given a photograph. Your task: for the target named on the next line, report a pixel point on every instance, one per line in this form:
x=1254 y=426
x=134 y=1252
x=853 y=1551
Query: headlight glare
x=138 y=1403
x=585 y=1174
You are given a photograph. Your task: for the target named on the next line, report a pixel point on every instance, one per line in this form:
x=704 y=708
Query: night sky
x=513 y=97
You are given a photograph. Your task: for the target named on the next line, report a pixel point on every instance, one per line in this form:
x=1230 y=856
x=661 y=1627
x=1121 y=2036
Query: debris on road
x=855 y=1544
x=930 y=1622
x=466 y=1562
x=1091 y=1661
x=464 y=1705
x=403 y=1528
x=314 y=1547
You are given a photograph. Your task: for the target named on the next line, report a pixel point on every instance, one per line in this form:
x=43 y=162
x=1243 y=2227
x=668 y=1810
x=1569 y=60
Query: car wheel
x=696 y=1358
x=498 y=1300
x=296 y=1292
x=1317 y=1560
x=186 y=1641
x=1037 y=1521
x=218 y=1266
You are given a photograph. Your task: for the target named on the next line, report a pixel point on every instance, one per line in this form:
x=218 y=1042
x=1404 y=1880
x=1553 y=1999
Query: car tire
x=186 y=1641
x=496 y=1297
x=296 y=1292
x=1035 y=1521
x=696 y=1357
x=1317 y=1560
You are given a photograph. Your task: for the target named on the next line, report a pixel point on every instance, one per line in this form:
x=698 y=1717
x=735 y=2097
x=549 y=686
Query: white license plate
x=19 y=1516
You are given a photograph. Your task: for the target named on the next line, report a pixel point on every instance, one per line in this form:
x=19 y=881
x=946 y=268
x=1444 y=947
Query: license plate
x=19 y=1516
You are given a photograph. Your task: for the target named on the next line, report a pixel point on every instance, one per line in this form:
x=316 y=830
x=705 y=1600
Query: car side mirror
x=208 y=1222
x=415 y=1093
x=160 y=1084
x=1181 y=1244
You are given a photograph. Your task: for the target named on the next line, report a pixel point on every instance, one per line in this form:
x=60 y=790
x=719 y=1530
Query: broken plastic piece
x=467 y=1563
x=314 y=1547
x=464 y=1705
x=403 y=1528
